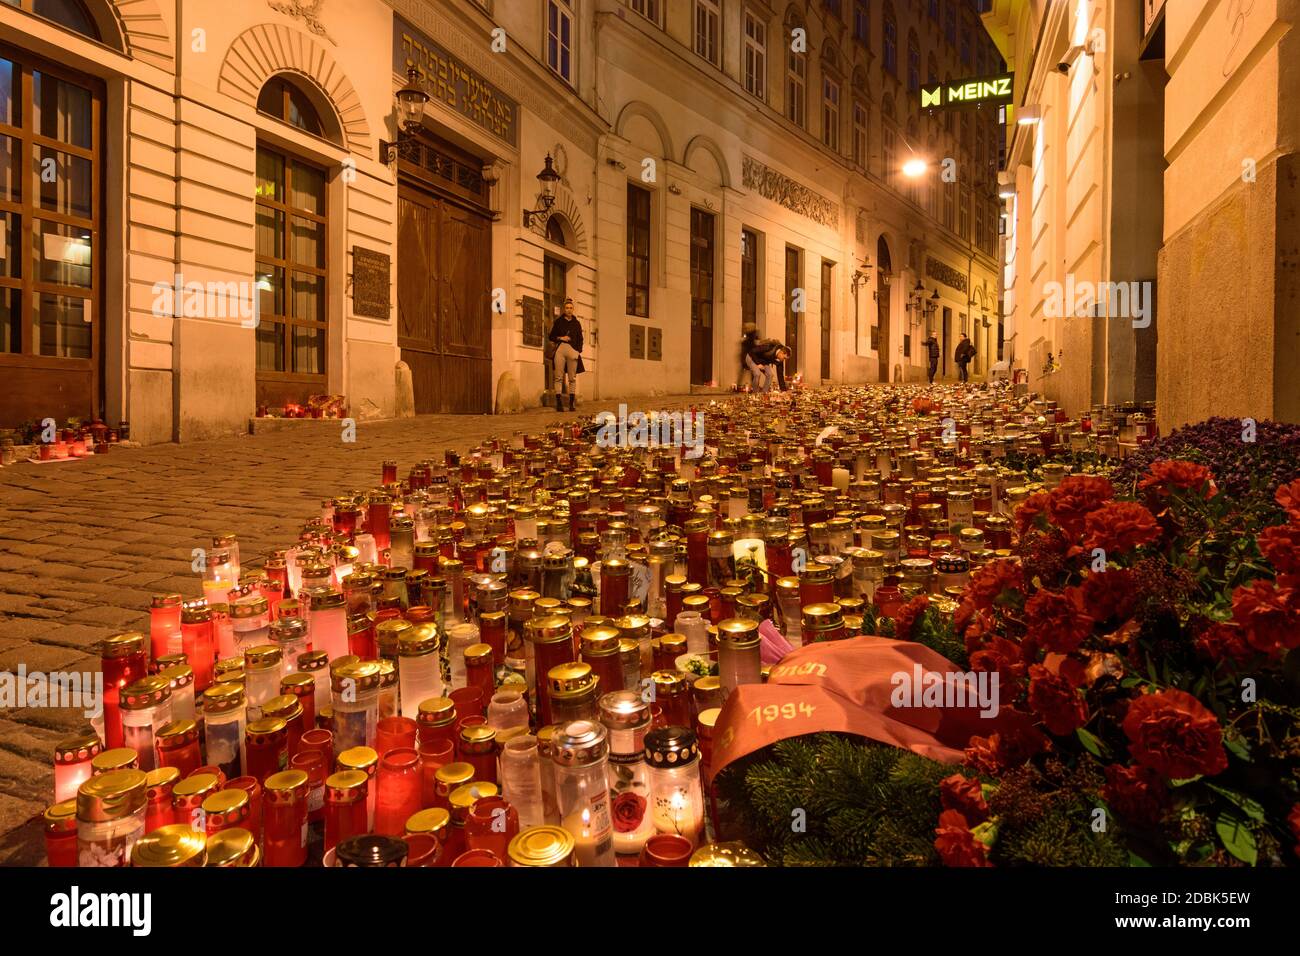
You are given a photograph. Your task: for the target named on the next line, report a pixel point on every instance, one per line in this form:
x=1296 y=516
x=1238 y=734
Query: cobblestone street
x=85 y=544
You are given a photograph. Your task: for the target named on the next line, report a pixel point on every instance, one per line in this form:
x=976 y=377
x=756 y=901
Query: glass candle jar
x=286 y=707
x=290 y=635
x=165 y=625
x=123 y=662
x=492 y=631
x=573 y=691
x=345 y=806
x=479 y=671
x=477 y=747
x=327 y=624
x=262 y=670
x=432 y=823
x=626 y=716
x=788 y=606
x=615 y=578
x=312 y=763
x=366 y=760
x=677 y=795
x=507 y=712
x=521 y=779
x=198 y=642
x=316 y=663
x=672 y=695
x=580 y=751
x=398 y=790
x=401 y=546
x=739 y=660
x=822 y=622
x=223 y=727
x=266 y=743
x=600 y=650
x=178 y=746
x=693 y=626
x=435 y=721
x=355 y=704
x=817 y=584
x=72 y=765
x=302 y=686
x=146 y=707
x=250 y=617
x=158 y=797
x=60 y=825
x=285 y=803
x=188 y=795
x=420 y=668
x=449 y=778
x=549 y=643
x=394 y=733
x=110 y=817
x=542 y=846
x=227 y=809
x=388 y=690
x=180 y=677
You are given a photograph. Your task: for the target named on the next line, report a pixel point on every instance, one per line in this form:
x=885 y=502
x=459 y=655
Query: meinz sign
x=984 y=91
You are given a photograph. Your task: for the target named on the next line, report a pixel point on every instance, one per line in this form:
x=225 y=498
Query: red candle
x=178 y=746
x=393 y=733
x=159 y=784
x=286 y=818
x=164 y=624
x=253 y=788
x=398 y=797
x=313 y=763
x=198 y=643
x=266 y=743
x=345 y=806
x=491 y=825
x=61 y=833
x=124 y=663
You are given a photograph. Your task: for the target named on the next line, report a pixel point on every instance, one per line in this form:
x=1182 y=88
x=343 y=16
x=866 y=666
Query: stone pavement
x=85 y=544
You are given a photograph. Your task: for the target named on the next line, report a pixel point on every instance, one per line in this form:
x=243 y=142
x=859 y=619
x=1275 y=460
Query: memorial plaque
x=371 y=283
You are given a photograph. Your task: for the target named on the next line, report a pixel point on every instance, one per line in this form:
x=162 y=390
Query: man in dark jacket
x=965 y=352
x=566 y=333
x=768 y=356
x=932 y=349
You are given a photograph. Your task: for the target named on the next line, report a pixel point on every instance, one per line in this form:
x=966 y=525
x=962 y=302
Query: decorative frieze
x=784 y=191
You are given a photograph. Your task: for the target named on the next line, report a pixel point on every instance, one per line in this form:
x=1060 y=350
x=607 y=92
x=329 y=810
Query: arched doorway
x=886 y=268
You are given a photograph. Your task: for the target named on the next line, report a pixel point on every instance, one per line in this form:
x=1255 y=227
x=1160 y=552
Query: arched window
x=283 y=100
x=554 y=231
x=70 y=14
x=796 y=77
x=293 y=267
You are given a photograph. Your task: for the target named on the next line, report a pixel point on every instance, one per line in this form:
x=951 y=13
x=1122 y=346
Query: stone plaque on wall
x=371 y=283
x=534 y=323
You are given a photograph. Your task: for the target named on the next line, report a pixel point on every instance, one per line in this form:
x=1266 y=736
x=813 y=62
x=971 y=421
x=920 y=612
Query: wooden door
x=555 y=286
x=444 y=302
x=828 y=275
x=702 y=252
x=793 y=282
x=884 y=266
x=51 y=262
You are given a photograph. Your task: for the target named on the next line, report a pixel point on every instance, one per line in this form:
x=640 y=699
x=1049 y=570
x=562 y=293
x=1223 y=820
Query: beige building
x=1150 y=238
x=226 y=212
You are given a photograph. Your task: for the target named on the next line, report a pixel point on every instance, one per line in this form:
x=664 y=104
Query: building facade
x=1152 y=227
x=214 y=208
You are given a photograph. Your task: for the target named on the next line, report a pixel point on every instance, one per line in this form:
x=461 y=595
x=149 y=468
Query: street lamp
x=914 y=168
x=411 y=100
x=548 y=177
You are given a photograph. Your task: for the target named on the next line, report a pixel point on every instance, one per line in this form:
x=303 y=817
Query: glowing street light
x=914 y=167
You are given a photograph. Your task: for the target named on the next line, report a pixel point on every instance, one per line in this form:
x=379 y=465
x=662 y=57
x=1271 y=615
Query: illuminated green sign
x=983 y=91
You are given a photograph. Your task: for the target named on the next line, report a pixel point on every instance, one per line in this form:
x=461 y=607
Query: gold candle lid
x=176 y=844
x=541 y=846
x=232 y=847
x=432 y=821
x=726 y=854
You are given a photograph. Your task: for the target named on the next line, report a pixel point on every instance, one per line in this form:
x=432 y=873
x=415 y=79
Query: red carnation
x=1288 y=497
x=1165 y=476
x=1224 y=642
x=1267 y=614
x=1119 y=527
x=1002 y=657
x=1005 y=749
x=1135 y=793
x=1281 y=547
x=957 y=846
x=906 y=620
x=1075 y=498
x=1028 y=511
x=1174 y=734
x=1056 y=701
x=1108 y=594
x=1056 y=621
x=965 y=795
x=989 y=582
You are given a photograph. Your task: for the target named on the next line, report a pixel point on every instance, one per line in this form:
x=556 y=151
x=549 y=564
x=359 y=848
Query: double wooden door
x=444 y=301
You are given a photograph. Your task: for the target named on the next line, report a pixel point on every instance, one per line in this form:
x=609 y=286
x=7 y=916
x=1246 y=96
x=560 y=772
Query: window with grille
x=831 y=112
x=796 y=88
x=638 y=250
x=755 y=56
x=559 y=38
x=708 y=19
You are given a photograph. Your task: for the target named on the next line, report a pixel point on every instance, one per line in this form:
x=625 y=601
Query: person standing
x=932 y=349
x=965 y=352
x=566 y=333
x=768 y=357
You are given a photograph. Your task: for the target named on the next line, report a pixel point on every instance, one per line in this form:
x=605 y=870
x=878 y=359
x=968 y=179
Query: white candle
x=840 y=479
